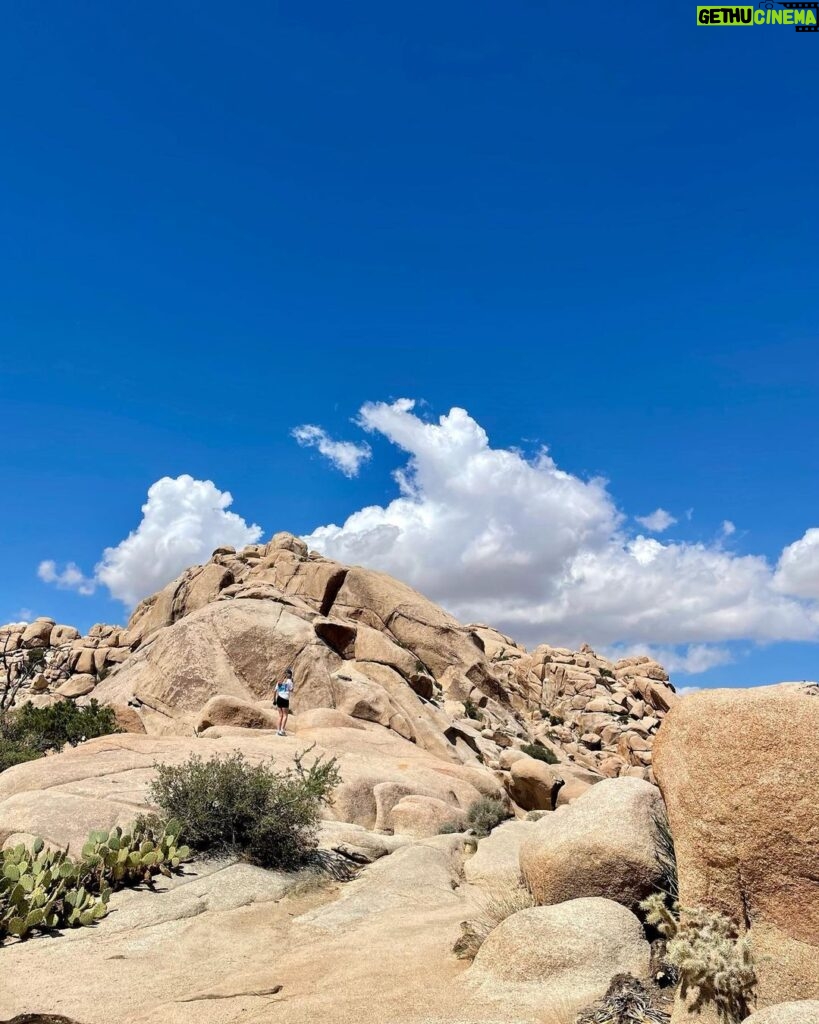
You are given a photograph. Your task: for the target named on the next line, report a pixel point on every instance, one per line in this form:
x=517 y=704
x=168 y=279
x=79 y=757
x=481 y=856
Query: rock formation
x=361 y=643
x=737 y=770
x=425 y=716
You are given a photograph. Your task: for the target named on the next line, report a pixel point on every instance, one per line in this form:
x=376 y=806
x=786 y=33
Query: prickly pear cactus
x=45 y=889
x=129 y=858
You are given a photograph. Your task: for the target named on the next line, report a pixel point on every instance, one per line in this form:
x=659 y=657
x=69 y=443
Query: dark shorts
x=282 y=702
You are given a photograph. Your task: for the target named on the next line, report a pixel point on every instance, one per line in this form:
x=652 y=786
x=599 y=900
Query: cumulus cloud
x=546 y=555
x=344 y=455
x=728 y=528
x=688 y=660
x=183 y=520
x=70 y=578
x=658 y=521
x=798 y=569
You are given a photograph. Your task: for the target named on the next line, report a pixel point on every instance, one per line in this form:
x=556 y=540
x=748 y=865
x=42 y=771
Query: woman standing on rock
x=283 y=691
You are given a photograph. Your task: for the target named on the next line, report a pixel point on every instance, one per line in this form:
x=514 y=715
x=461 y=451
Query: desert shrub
x=541 y=753
x=485 y=814
x=506 y=900
x=41 y=889
x=450 y=827
x=36 y=659
x=666 y=855
x=471 y=710
x=52 y=727
x=14 y=752
x=627 y=1001
x=715 y=966
x=266 y=816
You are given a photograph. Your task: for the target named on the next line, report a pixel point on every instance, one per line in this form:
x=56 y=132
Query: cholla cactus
x=716 y=967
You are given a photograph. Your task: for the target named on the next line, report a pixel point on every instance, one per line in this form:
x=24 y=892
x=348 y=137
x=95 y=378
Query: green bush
x=266 y=816
x=485 y=814
x=52 y=727
x=471 y=710
x=449 y=828
x=14 y=752
x=540 y=753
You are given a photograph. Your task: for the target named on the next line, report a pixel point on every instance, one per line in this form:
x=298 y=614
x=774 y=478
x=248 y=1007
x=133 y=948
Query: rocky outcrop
x=737 y=769
x=102 y=783
x=361 y=643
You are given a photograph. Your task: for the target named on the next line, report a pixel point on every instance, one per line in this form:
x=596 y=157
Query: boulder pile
x=360 y=643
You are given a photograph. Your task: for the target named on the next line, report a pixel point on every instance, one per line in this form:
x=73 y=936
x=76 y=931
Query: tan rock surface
x=602 y=844
x=563 y=955
x=738 y=772
x=802 y=1012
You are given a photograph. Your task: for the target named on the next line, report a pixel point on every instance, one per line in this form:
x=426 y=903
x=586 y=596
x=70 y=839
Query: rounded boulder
x=562 y=955
x=602 y=844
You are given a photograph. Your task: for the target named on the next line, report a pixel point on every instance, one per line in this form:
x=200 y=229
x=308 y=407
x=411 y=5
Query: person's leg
x=281 y=720
x=285 y=712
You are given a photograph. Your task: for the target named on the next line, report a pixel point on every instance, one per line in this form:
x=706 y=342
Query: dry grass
x=627 y=1001
x=493 y=909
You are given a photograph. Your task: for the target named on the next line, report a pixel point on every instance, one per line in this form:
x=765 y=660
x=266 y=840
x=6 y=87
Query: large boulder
x=243 y=714
x=738 y=772
x=564 y=955
x=602 y=844
x=533 y=784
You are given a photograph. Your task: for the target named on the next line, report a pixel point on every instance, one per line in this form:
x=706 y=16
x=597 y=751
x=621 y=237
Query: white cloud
x=658 y=521
x=686 y=660
x=23 y=616
x=798 y=569
x=344 y=455
x=183 y=520
x=71 y=577
x=728 y=528
x=545 y=555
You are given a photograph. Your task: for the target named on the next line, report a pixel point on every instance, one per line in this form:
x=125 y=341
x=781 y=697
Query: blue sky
x=592 y=227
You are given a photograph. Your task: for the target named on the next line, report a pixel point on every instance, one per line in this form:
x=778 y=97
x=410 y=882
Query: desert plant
x=666 y=855
x=472 y=711
x=715 y=966
x=450 y=827
x=52 y=727
x=28 y=732
x=266 y=816
x=540 y=752
x=46 y=889
x=506 y=900
x=14 y=752
x=627 y=1001
x=485 y=814
x=127 y=858
x=39 y=890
